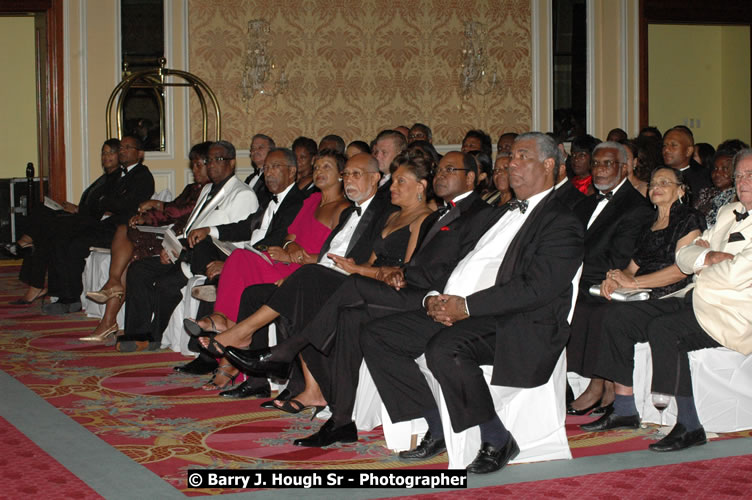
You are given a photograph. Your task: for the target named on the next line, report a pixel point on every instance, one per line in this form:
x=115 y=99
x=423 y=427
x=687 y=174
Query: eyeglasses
x=449 y=170
x=499 y=170
x=744 y=176
x=198 y=162
x=663 y=183
x=217 y=159
x=355 y=174
x=418 y=136
x=504 y=154
x=606 y=163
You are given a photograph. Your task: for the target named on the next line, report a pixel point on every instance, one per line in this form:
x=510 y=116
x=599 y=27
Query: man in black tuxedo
x=678 y=149
x=68 y=258
x=613 y=217
x=332 y=326
x=388 y=144
x=260 y=146
x=505 y=303
x=353 y=238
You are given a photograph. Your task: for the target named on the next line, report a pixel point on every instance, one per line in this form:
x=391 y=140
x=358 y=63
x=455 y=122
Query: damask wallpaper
x=356 y=67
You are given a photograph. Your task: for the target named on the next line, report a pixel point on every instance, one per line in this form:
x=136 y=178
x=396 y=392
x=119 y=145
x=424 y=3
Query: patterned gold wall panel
x=356 y=67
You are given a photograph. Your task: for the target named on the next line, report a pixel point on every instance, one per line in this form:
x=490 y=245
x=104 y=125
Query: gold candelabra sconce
x=261 y=75
x=478 y=75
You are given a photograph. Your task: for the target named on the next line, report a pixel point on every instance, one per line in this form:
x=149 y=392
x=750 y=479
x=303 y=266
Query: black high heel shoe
x=287 y=407
x=584 y=411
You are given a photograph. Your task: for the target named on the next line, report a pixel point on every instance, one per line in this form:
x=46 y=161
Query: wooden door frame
x=51 y=157
x=726 y=12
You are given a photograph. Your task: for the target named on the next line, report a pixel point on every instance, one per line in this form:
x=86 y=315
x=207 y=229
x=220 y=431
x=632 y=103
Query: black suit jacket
x=532 y=296
x=263 y=195
x=696 y=177
x=371 y=223
x=569 y=195
x=275 y=235
x=133 y=188
x=610 y=241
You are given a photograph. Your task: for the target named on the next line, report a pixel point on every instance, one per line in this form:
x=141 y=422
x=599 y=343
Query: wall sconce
x=258 y=65
x=477 y=75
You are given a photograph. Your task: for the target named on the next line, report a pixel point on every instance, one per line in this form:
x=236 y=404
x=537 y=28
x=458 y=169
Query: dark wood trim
x=56 y=99
x=52 y=154
x=727 y=12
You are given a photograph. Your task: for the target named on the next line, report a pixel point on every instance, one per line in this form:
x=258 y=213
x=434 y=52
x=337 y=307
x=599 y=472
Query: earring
x=420 y=196
x=680 y=201
x=340 y=179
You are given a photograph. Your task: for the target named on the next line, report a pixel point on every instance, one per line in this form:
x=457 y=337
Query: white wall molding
x=84 y=89
x=185 y=91
x=541 y=106
x=635 y=121
x=164 y=178
x=187 y=178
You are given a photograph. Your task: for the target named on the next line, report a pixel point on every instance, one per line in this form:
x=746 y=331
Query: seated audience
x=47 y=227
x=616 y=135
x=485 y=185
x=477 y=140
x=68 y=257
x=420 y=132
x=652 y=266
x=260 y=146
x=334 y=327
x=386 y=147
x=504 y=144
x=305 y=150
x=504 y=192
x=131 y=244
x=581 y=153
x=392 y=250
x=704 y=154
x=713 y=311
x=154 y=283
x=678 y=148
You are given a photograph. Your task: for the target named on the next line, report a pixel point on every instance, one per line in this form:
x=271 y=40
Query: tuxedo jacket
x=231 y=204
x=569 y=195
x=444 y=241
x=371 y=223
x=133 y=188
x=723 y=292
x=262 y=192
x=275 y=235
x=532 y=295
x=696 y=177
x=610 y=240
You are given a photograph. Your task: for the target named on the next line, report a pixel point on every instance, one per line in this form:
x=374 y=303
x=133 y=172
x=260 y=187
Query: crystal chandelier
x=477 y=75
x=258 y=65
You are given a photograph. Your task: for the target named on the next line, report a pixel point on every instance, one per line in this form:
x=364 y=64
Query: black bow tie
x=275 y=199
x=445 y=208
x=518 y=204
x=358 y=209
x=600 y=196
x=741 y=216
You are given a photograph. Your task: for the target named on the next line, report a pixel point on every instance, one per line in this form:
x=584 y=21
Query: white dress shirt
x=602 y=204
x=341 y=240
x=478 y=270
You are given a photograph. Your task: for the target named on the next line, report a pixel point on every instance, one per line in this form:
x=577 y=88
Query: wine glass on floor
x=661 y=401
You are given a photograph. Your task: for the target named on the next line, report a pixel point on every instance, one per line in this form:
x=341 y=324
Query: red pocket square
x=445 y=228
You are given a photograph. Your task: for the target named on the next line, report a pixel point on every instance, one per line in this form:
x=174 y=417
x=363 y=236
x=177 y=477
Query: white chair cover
x=175 y=337
x=96 y=273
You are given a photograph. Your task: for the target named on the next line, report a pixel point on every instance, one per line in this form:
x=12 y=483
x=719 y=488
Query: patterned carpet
x=163 y=420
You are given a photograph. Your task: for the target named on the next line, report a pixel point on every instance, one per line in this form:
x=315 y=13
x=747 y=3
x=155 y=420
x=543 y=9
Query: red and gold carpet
x=163 y=420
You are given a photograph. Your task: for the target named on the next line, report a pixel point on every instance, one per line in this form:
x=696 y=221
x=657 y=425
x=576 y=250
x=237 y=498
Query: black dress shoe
x=199 y=366
x=246 y=390
x=283 y=396
x=427 y=448
x=601 y=410
x=680 y=438
x=491 y=459
x=611 y=421
x=327 y=435
x=257 y=363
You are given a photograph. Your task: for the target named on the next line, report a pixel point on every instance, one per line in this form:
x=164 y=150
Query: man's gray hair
x=546 y=145
x=289 y=156
x=741 y=155
x=619 y=147
x=229 y=149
